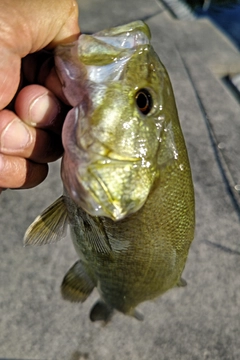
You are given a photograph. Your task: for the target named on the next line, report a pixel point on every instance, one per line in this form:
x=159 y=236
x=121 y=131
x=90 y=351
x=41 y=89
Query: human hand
x=30 y=131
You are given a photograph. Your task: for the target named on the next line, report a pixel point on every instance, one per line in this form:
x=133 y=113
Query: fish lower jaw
x=113 y=212
x=118 y=213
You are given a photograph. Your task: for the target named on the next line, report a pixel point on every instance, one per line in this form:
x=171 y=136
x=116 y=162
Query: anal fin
x=101 y=312
x=181 y=282
x=77 y=285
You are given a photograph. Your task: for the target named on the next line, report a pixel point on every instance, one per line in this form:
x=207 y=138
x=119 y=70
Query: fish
x=128 y=194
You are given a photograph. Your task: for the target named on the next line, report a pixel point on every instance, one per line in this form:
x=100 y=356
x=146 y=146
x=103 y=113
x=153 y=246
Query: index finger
x=38 y=107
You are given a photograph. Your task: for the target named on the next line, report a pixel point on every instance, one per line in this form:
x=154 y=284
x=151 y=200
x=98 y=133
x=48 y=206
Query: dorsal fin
x=48 y=227
x=77 y=285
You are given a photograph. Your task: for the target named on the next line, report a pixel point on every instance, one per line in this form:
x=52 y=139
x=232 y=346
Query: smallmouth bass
x=128 y=193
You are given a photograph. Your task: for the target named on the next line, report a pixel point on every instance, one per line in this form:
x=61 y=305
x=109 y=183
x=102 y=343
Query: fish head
x=120 y=93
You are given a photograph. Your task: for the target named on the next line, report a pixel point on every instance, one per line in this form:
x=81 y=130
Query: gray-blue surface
x=201 y=321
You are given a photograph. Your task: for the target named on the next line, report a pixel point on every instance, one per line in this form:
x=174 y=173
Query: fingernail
x=43 y=110
x=16 y=136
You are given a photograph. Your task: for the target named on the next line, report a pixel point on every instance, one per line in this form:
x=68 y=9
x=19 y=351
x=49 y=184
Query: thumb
x=29 y=26
x=9 y=76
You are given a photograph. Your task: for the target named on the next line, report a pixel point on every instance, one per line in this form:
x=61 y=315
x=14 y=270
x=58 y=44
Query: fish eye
x=144 y=101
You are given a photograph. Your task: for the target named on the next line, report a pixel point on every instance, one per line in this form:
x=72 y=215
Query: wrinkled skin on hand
x=32 y=106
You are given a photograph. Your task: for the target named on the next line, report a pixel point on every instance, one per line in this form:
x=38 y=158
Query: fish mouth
x=101 y=181
x=112 y=156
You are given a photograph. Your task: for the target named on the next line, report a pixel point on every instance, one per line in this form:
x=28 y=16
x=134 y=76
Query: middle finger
x=19 y=139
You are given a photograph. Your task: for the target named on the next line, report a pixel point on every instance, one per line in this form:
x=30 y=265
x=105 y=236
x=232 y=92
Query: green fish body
x=128 y=194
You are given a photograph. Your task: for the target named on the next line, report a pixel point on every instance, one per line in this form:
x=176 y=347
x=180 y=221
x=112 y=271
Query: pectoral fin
x=77 y=285
x=48 y=227
x=101 y=312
